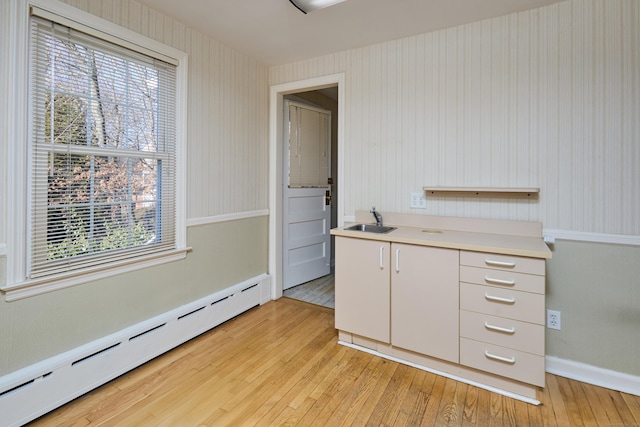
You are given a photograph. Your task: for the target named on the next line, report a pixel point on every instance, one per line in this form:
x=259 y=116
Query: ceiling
x=275 y=32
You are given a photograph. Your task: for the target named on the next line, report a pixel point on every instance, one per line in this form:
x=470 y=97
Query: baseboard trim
x=600 y=377
x=37 y=389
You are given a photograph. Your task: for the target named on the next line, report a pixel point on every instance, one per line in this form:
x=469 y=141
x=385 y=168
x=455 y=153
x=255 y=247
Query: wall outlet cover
x=418 y=201
x=553 y=319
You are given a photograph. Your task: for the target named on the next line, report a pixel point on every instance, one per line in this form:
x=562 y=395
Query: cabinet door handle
x=398 y=260
x=499 y=329
x=499 y=299
x=510 y=360
x=381 y=257
x=499 y=263
x=499 y=281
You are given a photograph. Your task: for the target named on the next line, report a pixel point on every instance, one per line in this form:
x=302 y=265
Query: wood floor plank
x=379 y=385
x=573 y=410
x=280 y=365
x=604 y=411
x=435 y=397
x=584 y=407
x=470 y=408
x=416 y=399
x=555 y=401
x=496 y=414
x=327 y=408
x=535 y=415
x=447 y=411
x=295 y=386
x=354 y=398
x=633 y=403
x=483 y=411
x=284 y=395
x=509 y=412
x=389 y=404
x=521 y=412
x=623 y=410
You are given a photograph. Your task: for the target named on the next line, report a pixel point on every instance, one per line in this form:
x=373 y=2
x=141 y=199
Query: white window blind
x=103 y=152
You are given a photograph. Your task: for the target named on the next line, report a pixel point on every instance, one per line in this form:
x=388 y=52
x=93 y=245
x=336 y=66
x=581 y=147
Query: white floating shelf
x=483 y=191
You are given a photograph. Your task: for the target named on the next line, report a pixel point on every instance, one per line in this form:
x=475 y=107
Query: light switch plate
x=418 y=201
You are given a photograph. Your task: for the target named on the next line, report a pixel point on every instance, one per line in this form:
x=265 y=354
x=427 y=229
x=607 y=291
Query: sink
x=370 y=228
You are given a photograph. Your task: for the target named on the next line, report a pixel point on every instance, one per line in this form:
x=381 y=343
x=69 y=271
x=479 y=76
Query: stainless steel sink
x=371 y=228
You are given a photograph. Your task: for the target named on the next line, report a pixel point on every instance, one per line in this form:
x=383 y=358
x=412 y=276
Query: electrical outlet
x=418 y=201
x=553 y=319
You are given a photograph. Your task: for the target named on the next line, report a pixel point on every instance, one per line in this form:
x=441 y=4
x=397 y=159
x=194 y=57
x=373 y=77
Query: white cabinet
x=362 y=288
x=461 y=297
x=502 y=315
x=424 y=300
x=406 y=295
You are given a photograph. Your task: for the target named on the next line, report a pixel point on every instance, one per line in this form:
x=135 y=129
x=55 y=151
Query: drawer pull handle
x=381 y=257
x=398 y=260
x=510 y=360
x=500 y=263
x=499 y=299
x=499 y=281
x=499 y=329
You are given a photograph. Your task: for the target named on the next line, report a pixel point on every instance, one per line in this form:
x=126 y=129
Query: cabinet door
x=362 y=287
x=424 y=300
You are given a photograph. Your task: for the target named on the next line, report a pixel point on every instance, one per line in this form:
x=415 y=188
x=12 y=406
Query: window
x=99 y=188
x=103 y=151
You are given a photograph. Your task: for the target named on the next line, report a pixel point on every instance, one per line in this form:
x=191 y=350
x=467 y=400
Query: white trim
x=17 y=122
x=600 y=377
x=443 y=374
x=583 y=236
x=37 y=389
x=69 y=15
x=276 y=98
x=3 y=250
x=30 y=288
x=191 y=222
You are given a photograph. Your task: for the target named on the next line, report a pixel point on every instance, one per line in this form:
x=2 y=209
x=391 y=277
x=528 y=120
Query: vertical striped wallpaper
x=227 y=145
x=547 y=98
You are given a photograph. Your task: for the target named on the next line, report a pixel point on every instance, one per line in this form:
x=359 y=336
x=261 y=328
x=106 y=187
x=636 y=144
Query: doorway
x=307 y=189
x=305 y=88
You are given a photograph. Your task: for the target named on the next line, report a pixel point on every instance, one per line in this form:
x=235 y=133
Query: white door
x=306 y=194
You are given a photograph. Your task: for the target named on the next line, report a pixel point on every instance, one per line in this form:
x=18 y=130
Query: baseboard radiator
x=37 y=389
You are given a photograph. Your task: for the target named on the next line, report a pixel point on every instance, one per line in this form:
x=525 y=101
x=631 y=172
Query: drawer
x=524 y=306
x=522 y=336
x=503 y=279
x=518 y=365
x=503 y=262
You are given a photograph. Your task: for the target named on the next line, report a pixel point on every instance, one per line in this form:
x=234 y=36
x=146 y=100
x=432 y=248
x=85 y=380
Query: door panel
x=306 y=237
x=306 y=194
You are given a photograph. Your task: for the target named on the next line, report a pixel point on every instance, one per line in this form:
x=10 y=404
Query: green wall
x=596 y=287
x=39 y=327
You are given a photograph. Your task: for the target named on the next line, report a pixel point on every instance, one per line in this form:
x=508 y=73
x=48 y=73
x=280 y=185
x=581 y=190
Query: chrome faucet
x=377 y=216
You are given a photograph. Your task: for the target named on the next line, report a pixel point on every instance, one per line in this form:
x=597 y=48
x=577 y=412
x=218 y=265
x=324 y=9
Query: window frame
x=18 y=285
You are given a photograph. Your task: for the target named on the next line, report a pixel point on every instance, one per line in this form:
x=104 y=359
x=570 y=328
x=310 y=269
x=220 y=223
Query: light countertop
x=526 y=246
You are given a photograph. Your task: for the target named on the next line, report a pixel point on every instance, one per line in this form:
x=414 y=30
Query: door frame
x=276 y=155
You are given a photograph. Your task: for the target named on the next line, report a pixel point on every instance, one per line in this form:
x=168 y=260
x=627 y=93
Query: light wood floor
x=320 y=291
x=279 y=364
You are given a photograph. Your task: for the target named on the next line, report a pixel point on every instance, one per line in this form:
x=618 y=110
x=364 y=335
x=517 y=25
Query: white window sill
x=30 y=288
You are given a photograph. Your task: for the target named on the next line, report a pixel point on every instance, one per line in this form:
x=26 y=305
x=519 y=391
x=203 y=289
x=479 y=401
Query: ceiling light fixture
x=306 y=6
